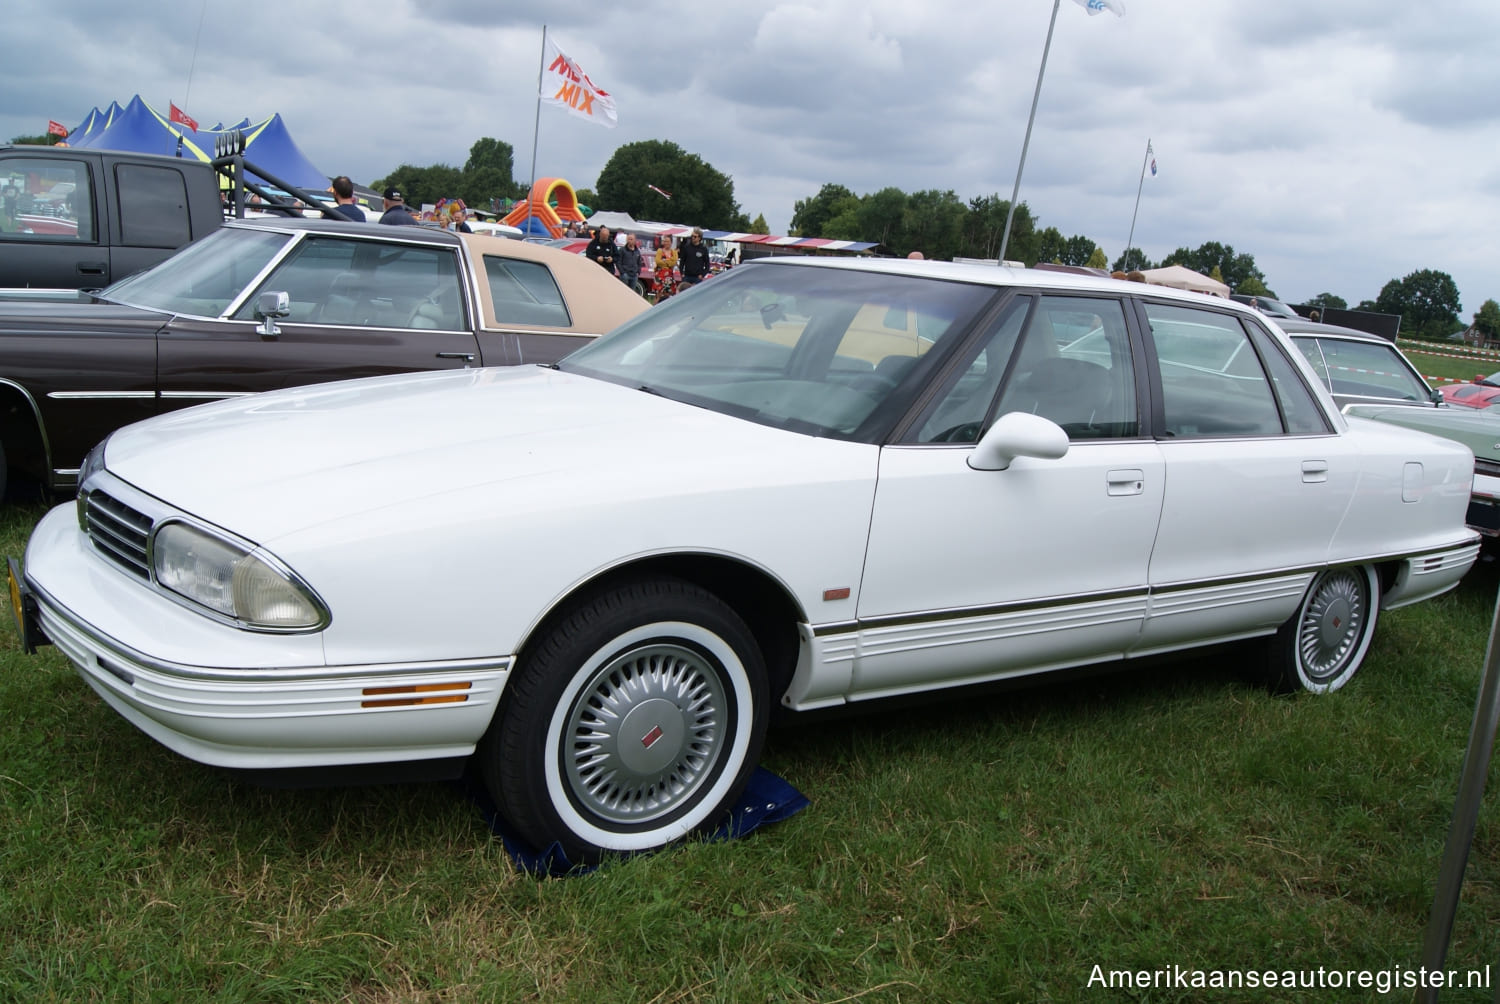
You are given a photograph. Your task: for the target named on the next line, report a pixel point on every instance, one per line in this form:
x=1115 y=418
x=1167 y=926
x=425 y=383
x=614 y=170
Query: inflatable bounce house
x=544 y=220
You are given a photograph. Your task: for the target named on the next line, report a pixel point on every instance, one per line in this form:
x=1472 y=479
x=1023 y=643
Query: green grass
x=1445 y=363
x=977 y=849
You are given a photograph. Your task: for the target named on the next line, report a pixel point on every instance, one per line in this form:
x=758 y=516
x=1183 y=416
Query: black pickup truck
x=82 y=219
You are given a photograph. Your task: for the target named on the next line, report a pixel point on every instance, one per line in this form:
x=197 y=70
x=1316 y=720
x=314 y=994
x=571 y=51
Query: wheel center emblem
x=649 y=739
x=1338 y=623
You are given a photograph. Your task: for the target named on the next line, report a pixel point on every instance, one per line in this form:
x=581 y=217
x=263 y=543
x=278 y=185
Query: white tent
x=1179 y=277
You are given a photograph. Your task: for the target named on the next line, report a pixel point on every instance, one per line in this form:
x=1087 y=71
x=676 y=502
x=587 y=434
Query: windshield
x=796 y=346
x=205 y=277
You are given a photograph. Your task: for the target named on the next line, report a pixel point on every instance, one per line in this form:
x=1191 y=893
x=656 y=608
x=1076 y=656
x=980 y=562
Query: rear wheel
x=635 y=721
x=1324 y=643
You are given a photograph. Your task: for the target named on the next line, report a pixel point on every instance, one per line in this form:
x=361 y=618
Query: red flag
x=56 y=129
x=180 y=116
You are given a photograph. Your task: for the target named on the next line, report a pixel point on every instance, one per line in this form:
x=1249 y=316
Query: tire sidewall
x=1300 y=676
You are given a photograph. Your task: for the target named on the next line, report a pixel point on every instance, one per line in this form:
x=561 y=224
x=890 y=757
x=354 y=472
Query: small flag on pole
x=564 y=83
x=182 y=118
x=658 y=191
x=1152 y=158
x=56 y=129
x=1115 y=7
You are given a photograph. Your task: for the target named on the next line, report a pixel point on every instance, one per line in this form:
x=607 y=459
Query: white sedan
x=805 y=483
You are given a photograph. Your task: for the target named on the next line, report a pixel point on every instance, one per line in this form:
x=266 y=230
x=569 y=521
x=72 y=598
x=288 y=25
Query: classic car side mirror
x=269 y=307
x=1436 y=396
x=1018 y=434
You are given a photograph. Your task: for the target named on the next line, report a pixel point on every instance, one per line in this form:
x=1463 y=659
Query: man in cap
x=396 y=213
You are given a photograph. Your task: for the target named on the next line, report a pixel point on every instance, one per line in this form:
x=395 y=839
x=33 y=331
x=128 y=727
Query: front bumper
x=274 y=708
x=1484 y=505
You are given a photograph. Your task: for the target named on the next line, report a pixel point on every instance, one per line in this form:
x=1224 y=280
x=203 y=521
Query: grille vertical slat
x=118 y=532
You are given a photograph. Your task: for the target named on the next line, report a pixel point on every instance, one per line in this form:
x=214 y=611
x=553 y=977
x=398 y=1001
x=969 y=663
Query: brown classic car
x=270 y=303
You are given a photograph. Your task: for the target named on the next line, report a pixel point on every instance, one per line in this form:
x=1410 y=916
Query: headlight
x=235 y=581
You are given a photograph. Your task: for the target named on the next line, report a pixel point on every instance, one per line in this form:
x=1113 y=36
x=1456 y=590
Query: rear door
x=1256 y=480
x=358 y=308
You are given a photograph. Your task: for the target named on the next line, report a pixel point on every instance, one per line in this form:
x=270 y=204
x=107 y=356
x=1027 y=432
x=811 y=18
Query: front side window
x=361 y=283
x=1083 y=382
x=525 y=293
x=1212 y=381
x=46 y=200
x=813 y=349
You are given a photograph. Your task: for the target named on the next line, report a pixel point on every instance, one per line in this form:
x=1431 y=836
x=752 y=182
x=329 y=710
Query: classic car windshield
x=813 y=349
x=205 y=277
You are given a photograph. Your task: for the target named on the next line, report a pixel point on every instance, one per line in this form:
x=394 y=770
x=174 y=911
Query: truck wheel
x=635 y=721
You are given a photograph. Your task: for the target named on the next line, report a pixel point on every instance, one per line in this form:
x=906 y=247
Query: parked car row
x=808 y=483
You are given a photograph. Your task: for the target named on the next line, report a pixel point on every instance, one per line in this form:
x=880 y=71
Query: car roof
x=1302 y=326
x=1005 y=275
x=290 y=224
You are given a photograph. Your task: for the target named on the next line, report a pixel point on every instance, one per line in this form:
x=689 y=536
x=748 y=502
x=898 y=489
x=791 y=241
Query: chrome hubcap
x=1332 y=622
x=645 y=733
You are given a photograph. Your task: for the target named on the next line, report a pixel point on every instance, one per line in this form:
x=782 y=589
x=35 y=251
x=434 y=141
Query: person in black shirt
x=602 y=250
x=694 y=259
x=343 y=195
x=396 y=213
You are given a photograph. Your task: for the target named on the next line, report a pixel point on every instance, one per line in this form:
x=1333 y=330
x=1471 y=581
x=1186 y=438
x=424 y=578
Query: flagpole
x=541 y=68
x=1139 y=185
x=1016 y=191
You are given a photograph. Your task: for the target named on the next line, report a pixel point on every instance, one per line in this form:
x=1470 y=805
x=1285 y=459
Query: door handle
x=1314 y=471
x=91 y=268
x=467 y=357
x=1126 y=482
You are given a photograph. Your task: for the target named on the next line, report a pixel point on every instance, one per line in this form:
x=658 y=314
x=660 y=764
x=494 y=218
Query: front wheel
x=635 y=721
x=1324 y=643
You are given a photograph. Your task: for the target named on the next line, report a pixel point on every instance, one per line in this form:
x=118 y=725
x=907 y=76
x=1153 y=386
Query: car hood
x=281 y=462
x=50 y=313
x=1478 y=430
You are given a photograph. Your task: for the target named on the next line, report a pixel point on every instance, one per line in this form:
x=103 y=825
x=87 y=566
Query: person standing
x=601 y=250
x=665 y=265
x=396 y=214
x=695 y=261
x=343 y=197
x=628 y=258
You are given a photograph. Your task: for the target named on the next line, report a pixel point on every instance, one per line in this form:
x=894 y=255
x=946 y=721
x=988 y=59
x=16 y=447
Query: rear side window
x=524 y=292
x=1212 y=382
x=46 y=200
x=1298 y=407
x=153 y=206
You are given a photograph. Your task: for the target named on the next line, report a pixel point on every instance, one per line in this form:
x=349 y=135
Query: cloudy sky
x=1343 y=143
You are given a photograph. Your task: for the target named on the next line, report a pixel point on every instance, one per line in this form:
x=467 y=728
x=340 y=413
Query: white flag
x=564 y=83
x=1117 y=7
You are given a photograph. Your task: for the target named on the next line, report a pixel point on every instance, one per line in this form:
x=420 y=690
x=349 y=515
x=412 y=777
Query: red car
x=1482 y=393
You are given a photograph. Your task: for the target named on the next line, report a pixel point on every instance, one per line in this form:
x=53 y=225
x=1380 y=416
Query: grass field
x=985 y=848
x=1441 y=364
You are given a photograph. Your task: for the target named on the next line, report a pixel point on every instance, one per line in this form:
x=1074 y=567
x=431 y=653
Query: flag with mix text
x=564 y=83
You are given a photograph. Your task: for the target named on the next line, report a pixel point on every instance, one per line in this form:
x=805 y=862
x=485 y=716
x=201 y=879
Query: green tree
x=759 y=225
x=1078 y=250
x=1487 y=320
x=1235 y=268
x=1250 y=287
x=423 y=184
x=1045 y=245
x=880 y=216
x=984 y=226
x=844 y=224
x=1098 y=259
x=1325 y=300
x=1132 y=260
x=489 y=173
x=1427 y=301
x=809 y=215
x=932 y=223
x=47 y=139
x=700 y=194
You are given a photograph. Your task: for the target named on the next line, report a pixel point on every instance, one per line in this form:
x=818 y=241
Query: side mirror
x=1018 y=434
x=1436 y=396
x=268 y=308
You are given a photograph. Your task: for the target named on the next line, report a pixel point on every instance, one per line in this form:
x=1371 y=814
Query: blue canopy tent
x=270 y=145
x=140 y=129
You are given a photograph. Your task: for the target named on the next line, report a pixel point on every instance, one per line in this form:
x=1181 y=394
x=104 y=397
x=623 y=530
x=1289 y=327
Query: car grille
x=118 y=531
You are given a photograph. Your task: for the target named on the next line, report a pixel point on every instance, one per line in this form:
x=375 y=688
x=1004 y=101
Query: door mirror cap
x=1018 y=434
x=268 y=307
